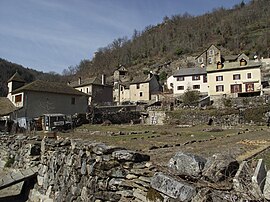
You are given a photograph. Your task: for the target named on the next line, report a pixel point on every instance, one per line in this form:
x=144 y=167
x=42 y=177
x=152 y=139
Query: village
x=213 y=79
x=200 y=136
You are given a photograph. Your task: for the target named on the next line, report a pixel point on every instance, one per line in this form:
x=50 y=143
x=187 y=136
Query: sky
x=51 y=35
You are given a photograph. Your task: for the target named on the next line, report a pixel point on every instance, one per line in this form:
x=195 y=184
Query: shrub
x=10 y=162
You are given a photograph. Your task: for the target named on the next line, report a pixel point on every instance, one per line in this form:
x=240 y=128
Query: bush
x=191 y=97
x=10 y=162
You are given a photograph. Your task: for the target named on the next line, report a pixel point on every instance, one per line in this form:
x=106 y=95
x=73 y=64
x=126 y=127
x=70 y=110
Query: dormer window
x=243 y=62
x=219 y=65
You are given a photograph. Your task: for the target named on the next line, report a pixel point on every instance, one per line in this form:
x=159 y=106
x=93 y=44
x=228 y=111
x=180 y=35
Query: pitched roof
x=87 y=81
x=141 y=79
x=50 y=87
x=230 y=57
x=190 y=71
x=206 y=50
x=234 y=66
x=16 y=77
x=6 y=106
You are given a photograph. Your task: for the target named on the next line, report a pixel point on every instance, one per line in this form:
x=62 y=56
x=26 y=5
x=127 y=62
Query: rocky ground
x=10 y=193
x=162 y=142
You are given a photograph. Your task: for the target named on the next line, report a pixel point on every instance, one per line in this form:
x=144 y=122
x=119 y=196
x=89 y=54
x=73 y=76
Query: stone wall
x=221 y=117
x=78 y=170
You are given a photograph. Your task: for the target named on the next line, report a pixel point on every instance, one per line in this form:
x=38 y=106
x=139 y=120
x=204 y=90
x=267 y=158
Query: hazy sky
x=50 y=35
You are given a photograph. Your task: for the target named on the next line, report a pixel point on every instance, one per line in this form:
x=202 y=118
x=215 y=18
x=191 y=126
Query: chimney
x=80 y=80
x=103 y=79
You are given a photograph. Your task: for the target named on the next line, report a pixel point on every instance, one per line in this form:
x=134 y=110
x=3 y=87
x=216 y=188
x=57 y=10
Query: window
x=205 y=78
x=219 y=78
x=141 y=94
x=236 y=88
x=195 y=77
x=219 y=88
x=211 y=52
x=18 y=98
x=200 y=60
x=180 y=87
x=138 y=86
x=249 y=87
x=73 y=100
x=196 y=86
x=210 y=60
x=236 y=77
x=180 y=78
x=249 y=75
x=87 y=90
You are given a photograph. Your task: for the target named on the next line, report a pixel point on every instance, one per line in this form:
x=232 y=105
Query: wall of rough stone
x=220 y=117
x=79 y=170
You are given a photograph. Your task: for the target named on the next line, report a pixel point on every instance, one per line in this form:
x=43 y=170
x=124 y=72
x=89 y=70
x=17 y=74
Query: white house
x=188 y=78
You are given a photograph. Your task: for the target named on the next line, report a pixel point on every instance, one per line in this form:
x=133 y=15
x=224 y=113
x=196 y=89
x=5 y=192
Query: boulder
x=220 y=167
x=173 y=188
x=127 y=155
x=186 y=164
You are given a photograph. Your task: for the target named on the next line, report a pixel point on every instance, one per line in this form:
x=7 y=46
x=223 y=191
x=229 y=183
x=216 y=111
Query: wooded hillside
x=245 y=28
x=7 y=69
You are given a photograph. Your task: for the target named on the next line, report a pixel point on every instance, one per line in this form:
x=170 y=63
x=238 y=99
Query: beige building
x=121 y=92
x=41 y=97
x=234 y=79
x=121 y=85
x=144 y=89
x=97 y=89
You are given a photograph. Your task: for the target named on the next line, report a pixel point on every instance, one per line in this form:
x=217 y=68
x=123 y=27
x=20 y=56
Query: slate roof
x=234 y=66
x=141 y=79
x=230 y=57
x=85 y=82
x=16 y=77
x=6 y=106
x=49 y=87
x=190 y=71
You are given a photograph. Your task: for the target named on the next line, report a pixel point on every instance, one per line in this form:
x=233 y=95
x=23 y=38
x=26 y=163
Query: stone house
x=211 y=55
x=121 y=81
x=41 y=97
x=99 y=92
x=121 y=92
x=188 y=78
x=234 y=79
x=144 y=88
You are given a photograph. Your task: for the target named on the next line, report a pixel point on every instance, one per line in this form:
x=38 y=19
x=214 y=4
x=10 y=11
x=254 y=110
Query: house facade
x=121 y=92
x=97 y=89
x=234 y=79
x=121 y=81
x=211 y=55
x=144 y=89
x=41 y=97
x=188 y=78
